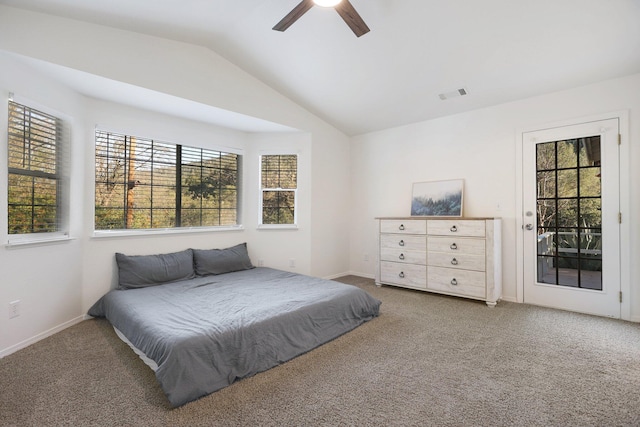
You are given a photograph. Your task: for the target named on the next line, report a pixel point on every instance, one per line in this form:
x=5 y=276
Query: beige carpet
x=427 y=360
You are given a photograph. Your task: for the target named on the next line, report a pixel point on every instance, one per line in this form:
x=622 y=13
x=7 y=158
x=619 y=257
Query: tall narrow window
x=34 y=178
x=279 y=183
x=146 y=184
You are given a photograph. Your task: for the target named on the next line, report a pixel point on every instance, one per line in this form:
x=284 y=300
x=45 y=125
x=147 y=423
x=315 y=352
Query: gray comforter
x=206 y=333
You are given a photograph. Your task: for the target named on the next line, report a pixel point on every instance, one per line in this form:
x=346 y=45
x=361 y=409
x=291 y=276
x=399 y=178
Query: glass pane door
x=569 y=213
x=570 y=207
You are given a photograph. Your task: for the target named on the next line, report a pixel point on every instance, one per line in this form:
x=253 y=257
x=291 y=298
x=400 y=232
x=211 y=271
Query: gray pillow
x=219 y=261
x=139 y=271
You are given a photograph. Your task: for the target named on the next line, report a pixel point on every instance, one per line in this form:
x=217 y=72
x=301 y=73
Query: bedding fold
x=208 y=332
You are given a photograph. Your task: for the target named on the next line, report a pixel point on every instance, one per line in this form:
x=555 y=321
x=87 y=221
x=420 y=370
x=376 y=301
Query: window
x=34 y=171
x=569 y=199
x=146 y=184
x=279 y=183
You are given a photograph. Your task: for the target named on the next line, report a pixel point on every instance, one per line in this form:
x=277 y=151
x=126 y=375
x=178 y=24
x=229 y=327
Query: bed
x=207 y=327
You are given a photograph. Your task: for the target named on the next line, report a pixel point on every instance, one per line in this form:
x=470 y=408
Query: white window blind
x=147 y=184
x=33 y=170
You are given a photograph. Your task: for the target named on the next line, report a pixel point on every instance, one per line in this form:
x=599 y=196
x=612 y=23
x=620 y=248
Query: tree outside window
x=146 y=184
x=279 y=183
x=34 y=171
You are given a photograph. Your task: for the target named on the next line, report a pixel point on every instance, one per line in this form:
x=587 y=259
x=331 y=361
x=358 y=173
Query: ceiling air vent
x=453 y=94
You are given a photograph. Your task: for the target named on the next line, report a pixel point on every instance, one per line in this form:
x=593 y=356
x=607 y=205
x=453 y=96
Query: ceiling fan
x=343 y=7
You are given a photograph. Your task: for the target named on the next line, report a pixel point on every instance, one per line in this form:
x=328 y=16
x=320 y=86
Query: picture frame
x=438 y=198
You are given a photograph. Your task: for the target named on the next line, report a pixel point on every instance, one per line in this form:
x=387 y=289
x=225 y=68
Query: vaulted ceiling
x=496 y=50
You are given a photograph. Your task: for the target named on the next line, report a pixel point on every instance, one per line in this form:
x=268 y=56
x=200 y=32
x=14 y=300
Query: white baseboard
x=350 y=273
x=41 y=336
x=335 y=276
x=360 y=274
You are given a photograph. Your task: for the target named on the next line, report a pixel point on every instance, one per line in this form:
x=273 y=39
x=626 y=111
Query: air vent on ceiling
x=453 y=93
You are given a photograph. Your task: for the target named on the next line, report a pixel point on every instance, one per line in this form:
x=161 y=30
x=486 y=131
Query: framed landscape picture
x=437 y=198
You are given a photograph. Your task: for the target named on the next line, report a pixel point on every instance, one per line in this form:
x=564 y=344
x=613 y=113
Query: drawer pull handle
x=401 y=275
x=453 y=246
x=401 y=243
x=453 y=229
x=401 y=256
x=454 y=261
x=401 y=227
x=454 y=282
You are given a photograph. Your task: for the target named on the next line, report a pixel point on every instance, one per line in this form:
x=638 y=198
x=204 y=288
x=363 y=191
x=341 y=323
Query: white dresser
x=460 y=256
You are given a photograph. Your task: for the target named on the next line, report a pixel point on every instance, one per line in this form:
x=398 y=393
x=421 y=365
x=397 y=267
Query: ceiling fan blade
x=352 y=18
x=294 y=15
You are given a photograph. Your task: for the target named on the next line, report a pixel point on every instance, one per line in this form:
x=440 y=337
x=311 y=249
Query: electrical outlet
x=292 y=263
x=14 y=309
x=366 y=257
x=260 y=263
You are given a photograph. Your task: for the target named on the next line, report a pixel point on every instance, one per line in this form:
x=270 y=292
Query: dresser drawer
x=407 y=243
x=403 y=256
x=457 y=261
x=410 y=275
x=448 y=255
x=459 y=282
x=403 y=226
x=452 y=227
x=456 y=245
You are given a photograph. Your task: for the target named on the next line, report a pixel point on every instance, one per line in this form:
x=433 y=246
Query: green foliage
x=569 y=201
x=279 y=175
x=278 y=207
x=214 y=185
x=575 y=185
x=136 y=185
x=33 y=179
x=279 y=171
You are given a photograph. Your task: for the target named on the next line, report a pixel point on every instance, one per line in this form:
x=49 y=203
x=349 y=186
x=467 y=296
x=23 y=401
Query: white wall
x=57 y=283
x=46 y=279
x=480 y=146
x=198 y=74
x=69 y=277
x=337 y=226
x=99 y=267
x=276 y=248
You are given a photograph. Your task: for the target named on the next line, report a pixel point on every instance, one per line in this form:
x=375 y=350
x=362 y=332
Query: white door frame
x=625 y=203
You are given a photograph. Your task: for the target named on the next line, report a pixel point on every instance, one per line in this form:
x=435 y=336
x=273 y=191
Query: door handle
x=529 y=226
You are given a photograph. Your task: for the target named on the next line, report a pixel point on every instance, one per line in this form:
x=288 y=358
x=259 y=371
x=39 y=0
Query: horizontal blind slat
x=149 y=195
x=33 y=163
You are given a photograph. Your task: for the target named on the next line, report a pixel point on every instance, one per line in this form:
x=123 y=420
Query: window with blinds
x=146 y=184
x=279 y=183
x=33 y=170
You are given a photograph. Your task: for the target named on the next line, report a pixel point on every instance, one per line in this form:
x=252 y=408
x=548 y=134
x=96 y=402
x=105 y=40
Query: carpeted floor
x=427 y=360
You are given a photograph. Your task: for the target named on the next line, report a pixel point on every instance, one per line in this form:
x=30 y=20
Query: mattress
x=150 y=363
x=208 y=332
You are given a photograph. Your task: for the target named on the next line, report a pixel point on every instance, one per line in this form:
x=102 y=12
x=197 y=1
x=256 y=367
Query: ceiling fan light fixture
x=327 y=3
x=344 y=8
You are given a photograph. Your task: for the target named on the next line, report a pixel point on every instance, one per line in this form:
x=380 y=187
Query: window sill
x=32 y=240
x=101 y=234
x=278 y=227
